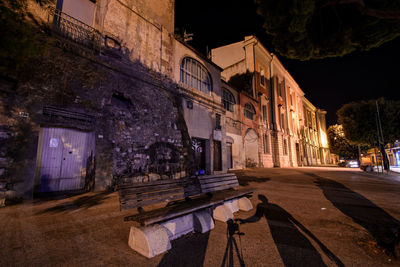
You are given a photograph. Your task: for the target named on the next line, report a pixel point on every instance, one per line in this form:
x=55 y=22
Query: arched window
x=249 y=111
x=195 y=75
x=228 y=100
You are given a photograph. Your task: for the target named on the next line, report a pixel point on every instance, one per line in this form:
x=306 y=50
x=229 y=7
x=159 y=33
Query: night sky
x=327 y=83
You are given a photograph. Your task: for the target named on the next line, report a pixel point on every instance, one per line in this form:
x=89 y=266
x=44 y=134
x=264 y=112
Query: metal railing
x=75 y=30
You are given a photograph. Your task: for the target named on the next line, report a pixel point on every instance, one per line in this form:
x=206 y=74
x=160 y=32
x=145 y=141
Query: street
x=301 y=217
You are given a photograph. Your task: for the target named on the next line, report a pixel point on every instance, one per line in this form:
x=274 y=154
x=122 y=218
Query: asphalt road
x=301 y=217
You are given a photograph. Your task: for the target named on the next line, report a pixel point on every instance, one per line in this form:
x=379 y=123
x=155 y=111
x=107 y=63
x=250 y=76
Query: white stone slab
x=245 y=204
x=233 y=205
x=179 y=226
x=203 y=221
x=150 y=240
x=222 y=213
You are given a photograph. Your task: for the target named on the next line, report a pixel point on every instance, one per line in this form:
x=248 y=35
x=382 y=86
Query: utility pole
x=381 y=141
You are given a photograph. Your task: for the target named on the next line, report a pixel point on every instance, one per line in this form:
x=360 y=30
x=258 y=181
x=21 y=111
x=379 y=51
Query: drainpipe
x=272 y=94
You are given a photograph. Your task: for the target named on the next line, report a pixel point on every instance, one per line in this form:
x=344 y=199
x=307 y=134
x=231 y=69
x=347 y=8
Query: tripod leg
x=238 y=253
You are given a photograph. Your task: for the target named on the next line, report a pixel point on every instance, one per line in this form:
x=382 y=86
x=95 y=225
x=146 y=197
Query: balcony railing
x=75 y=30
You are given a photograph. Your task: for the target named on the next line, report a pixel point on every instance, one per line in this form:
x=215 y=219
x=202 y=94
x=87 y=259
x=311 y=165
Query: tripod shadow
x=294 y=248
x=232 y=230
x=382 y=226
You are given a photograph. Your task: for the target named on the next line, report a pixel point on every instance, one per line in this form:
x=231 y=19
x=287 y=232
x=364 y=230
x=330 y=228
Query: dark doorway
x=229 y=158
x=199 y=148
x=217 y=156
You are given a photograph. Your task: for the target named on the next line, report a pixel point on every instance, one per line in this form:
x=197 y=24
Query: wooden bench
x=186 y=205
x=220 y=188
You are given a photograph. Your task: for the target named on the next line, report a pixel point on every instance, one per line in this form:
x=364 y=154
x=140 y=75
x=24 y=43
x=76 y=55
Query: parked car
x=352 y=164
x=349 y=163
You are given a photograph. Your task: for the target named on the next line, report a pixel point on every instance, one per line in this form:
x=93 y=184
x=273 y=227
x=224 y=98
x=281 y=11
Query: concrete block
x=150 y=240
x=245 y=204
x=179 y=226
x=222 y=213
x=233 y=205
x=203 y=221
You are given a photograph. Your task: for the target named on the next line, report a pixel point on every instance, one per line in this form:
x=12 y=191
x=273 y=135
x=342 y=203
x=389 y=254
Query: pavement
x=395 y=169
x=301 y=217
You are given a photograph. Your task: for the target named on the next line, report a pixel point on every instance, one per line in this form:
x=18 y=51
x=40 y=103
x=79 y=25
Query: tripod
x=233 y=229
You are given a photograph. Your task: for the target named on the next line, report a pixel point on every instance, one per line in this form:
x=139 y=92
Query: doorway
x=64 y=156
x=251 y=148
x=217 y=156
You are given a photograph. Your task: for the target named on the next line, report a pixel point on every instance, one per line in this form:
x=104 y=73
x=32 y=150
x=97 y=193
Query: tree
x=359 y=120
x=314 y=29
x=20 y=40
x=339 y=145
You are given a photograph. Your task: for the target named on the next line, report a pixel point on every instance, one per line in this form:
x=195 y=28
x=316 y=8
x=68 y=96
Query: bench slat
x=151 y=201
x=207 y=185
x=173 y=211
x=158 y=182
x=205 y=177
x=151 y=188
x=217 y=180
x=150 y=195
x=215 y=189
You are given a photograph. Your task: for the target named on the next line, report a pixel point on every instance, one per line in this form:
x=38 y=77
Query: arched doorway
x=251 y=148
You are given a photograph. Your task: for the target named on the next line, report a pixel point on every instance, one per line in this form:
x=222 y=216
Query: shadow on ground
x=189 y=250
x=83 y=202
x=245 y=179
x=382 y=226
x=294 y=247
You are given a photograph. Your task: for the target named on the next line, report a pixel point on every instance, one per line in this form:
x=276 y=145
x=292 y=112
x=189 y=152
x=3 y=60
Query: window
x=262 y=76
x=266 y=144
x=283 y=121
x=82 y=10
x=195 y=75
x=264 y=113
x=280 y=88
x=291 y=100
x=249 y=111
x=285 y=148
x=228 y=100
x=217 y=121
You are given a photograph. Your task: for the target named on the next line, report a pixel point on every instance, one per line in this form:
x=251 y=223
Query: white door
x=251 y=148
x=64 y=156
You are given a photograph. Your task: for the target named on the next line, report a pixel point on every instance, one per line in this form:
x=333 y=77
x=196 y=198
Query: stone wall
x=139 y=128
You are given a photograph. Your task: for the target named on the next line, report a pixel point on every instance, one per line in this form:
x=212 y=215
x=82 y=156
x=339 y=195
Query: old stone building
x=277 y=128
x=115 y=98
x=314 y=137
x=235 y=155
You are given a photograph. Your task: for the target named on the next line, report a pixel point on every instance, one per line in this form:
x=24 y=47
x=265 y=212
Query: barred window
x=228 y=100
x=194 y=74
x=249 y=111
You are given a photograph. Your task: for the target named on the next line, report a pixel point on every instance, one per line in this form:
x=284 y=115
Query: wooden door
x=217 y=156
x=64 y=156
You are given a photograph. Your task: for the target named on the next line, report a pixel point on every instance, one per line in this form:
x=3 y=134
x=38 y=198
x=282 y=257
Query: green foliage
x=314 y=29
x=339 y=145
x=359 y=120
x=242 y=82
x=19 y=40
